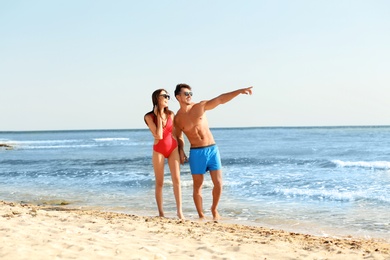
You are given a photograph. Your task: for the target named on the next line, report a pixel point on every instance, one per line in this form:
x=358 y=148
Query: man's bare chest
x=187 y=123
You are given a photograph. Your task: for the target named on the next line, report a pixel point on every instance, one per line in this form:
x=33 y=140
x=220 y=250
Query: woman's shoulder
x=150 y=115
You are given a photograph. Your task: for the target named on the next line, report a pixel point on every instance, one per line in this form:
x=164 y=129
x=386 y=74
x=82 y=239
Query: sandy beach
x=57 y=232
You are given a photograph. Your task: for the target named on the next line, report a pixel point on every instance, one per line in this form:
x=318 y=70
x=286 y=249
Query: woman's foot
x=180 y=215
x=216 y=215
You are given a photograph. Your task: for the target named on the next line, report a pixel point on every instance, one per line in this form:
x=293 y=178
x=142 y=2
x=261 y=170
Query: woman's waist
x=165 y=139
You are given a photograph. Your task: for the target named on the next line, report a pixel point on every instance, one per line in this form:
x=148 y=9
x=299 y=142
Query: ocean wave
x=276 y=162
x=122 y=161
x=321 y=163
x=333 y=195
x=363 y=164
x=111 y=139
x=146 y=182
x=28 y=142
x=66 y=162
x=46 y=144
x=55 y=146
x=63 y=144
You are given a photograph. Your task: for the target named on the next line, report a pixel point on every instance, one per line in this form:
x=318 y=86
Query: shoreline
x=47 y=232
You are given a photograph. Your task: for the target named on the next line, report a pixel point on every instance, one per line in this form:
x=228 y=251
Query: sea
x=324 y=181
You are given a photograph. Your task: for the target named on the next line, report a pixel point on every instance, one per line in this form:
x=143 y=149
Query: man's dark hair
x=180 y=86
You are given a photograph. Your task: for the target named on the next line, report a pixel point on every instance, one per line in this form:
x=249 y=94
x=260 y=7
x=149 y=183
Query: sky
x=90 y=64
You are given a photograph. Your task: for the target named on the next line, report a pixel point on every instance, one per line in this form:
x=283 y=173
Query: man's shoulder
x=198 y=105
x=178 y=113
x=192 y=107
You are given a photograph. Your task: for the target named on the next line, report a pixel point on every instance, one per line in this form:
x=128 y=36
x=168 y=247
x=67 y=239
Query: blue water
x=322 y=180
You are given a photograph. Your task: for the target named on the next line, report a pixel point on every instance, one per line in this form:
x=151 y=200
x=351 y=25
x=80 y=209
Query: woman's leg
x=174 y=166
x=158 y=166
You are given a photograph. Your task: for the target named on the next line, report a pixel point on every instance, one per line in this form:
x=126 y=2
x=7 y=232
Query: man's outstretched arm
x=226 y=97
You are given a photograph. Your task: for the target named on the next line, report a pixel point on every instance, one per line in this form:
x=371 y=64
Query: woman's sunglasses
x=166 y=96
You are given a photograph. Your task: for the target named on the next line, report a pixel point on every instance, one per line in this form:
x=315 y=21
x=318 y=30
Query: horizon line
x=220 y=127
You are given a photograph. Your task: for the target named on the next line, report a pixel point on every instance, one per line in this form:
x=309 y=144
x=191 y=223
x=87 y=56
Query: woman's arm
x=156 y=130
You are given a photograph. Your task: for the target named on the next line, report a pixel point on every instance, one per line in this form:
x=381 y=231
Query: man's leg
x=197 y=193
x=216 y=177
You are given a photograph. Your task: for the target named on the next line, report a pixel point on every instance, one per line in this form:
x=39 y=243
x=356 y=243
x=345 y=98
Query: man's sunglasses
x=189 y=93
x=166 y=96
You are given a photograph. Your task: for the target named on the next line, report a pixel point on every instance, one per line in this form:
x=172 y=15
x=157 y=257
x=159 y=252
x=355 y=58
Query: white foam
x=324 y=194
x=111 y=139
x=56 y=146
x=364 y=164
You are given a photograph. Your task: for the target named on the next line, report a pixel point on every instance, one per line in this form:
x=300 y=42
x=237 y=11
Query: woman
x=160 y=123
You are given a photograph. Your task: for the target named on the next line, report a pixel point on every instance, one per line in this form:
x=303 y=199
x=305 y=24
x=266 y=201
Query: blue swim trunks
x=204 y=159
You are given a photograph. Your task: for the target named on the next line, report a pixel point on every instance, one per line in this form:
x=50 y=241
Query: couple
x=167 y=130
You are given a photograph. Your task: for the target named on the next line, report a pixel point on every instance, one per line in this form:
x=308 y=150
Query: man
x=204 y=155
